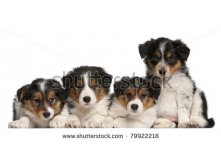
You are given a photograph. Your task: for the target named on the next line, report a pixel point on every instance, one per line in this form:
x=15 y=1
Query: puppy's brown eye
x=35 y=101
x=52 y=100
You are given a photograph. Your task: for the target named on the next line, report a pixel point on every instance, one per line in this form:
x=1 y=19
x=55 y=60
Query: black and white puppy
x=37 y=103
x=133 y=103
x=180 y=101
x=88 y=90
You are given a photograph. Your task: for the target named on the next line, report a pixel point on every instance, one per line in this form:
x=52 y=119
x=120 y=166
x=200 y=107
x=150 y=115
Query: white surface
x=49 y=38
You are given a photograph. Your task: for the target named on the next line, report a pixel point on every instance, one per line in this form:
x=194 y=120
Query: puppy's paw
x=200 y=121
x=19 y=124
x=73 y=124
x=58 y=122
x=91 y=124
x=107 y=123
x=190 y=124
x=164 y=123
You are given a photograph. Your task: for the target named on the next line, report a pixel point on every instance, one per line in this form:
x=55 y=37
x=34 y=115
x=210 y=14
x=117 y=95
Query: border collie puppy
x=88 y=90
x=133 y=103
x=180 y=100
x=37 y=103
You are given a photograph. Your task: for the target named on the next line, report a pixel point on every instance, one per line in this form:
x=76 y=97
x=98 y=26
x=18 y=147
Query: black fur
x=211 y=121
x=179 y=49
x=149 y=51
x=99 y=74
x=136 y=82
x=26 y=92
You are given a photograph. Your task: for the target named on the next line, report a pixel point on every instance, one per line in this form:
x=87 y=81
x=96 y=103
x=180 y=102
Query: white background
x=48 y=38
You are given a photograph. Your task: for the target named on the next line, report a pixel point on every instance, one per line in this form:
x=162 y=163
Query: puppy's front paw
x=107 y=123
x=164 y=123
x=91 y=124
x=190 y=124
x=58 y=122
x=73 y=124
x=19 y=124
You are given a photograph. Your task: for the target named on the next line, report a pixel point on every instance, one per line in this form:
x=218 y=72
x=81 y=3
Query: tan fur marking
x=92 y=82
x=123 y=100
x=74 y=94
x=176 y=67
x=57 y=105
x=158 y=53
x=100 y=94
x=148 y=102
x=169 y=54
x=34 y=109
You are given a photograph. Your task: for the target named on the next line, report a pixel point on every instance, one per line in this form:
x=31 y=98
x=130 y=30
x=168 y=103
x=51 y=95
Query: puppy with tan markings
x=133 y=103
x=180 y=101
x=88 y=91
x=37 y=103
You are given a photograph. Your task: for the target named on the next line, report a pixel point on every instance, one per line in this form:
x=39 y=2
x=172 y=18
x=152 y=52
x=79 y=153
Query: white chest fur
x=167 y=104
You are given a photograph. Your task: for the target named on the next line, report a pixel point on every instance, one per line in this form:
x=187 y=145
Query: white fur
x=26 y=119
x=164 y=123
x=135 y=101
x=94 y=116
x=177 y=103
x=127 y=119
x=87 y=91
x=51 y=111
x=162 y=48
x=42 y=86
x=23 y=122
x=59 y=121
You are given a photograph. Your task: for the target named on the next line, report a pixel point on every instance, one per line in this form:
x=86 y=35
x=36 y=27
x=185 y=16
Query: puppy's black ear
x=182 y=49
x=117 y=90
x=67 y=81
x=142 y=51
x=22 y=93
x=54 y=84
x=146 y=48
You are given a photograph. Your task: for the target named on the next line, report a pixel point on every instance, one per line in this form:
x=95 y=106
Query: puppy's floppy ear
x=146 y=48
x=117 y=90
x=22 y=93
x=67 y=81
x=142 y=51
x=182 y=49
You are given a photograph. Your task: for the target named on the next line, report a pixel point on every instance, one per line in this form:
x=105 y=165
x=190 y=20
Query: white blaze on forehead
x=86 y=80
x=162 y=48
x=42 y=86
x=87 y=91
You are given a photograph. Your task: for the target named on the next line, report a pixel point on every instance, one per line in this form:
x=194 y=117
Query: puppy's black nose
x=46 y=114
x=134 y=106
x=87 y=99
x=162 y=71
